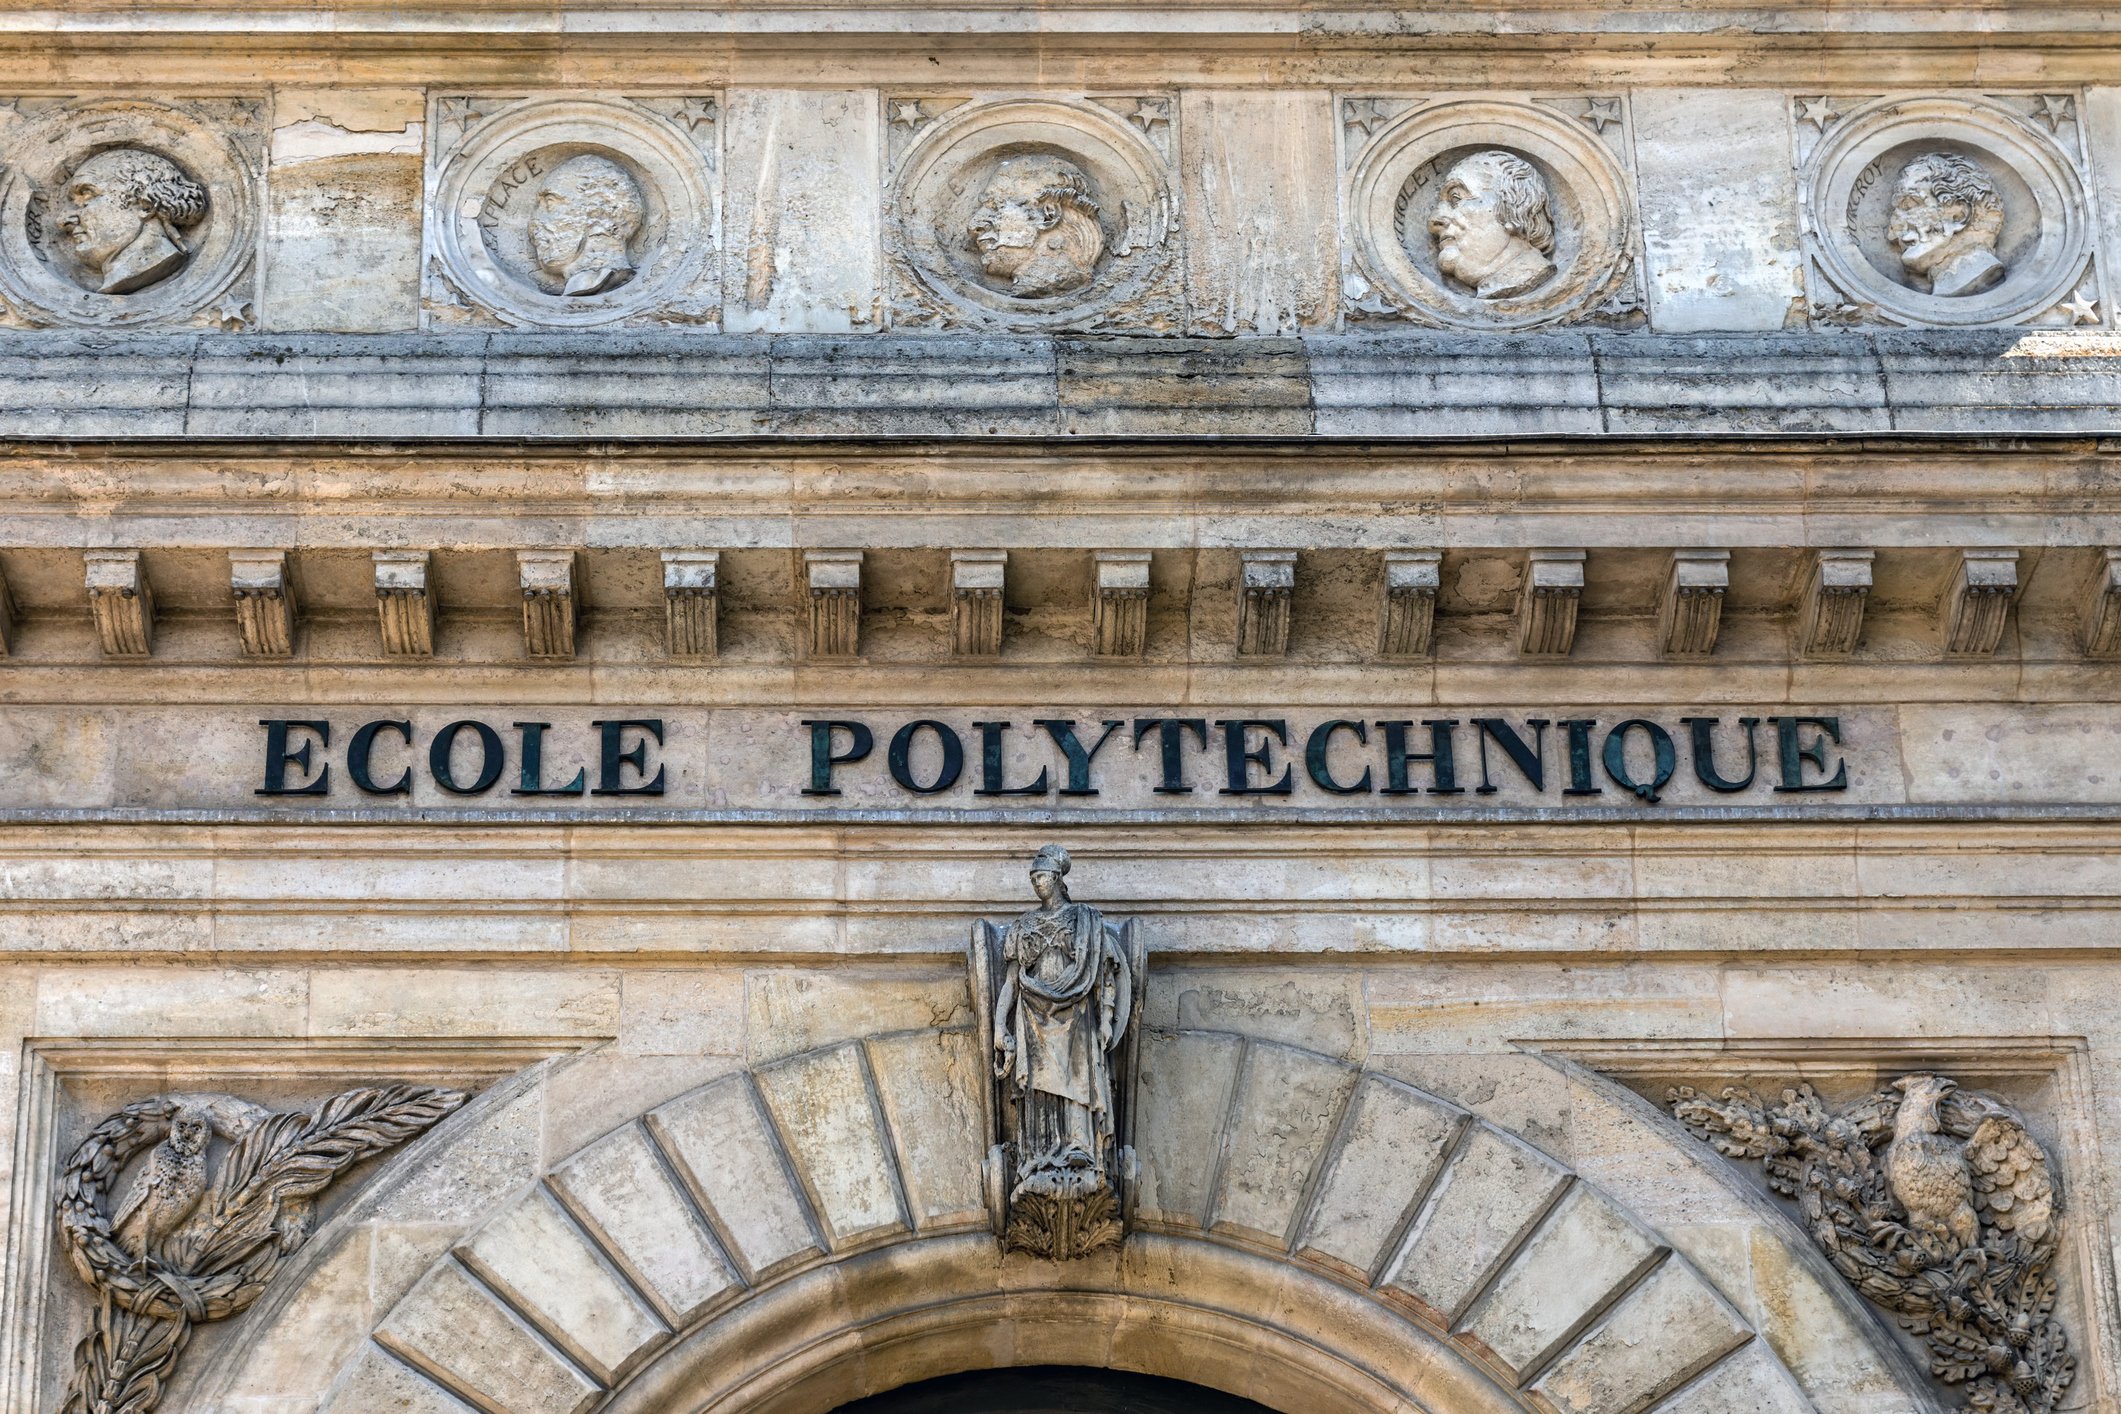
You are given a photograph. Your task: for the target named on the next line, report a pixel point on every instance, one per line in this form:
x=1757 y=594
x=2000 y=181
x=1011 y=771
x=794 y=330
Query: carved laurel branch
x=1985 y=1314
x=255 y=1217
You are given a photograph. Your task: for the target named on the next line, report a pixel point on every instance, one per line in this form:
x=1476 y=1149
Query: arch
x=1078 y=1387
x=1305 y=1232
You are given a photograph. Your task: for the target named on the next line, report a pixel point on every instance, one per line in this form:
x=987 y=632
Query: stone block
x=1719 y=211
x=1185 y=1087
x=1444 y=385
x=1149 y=387
x=802 y=203
x=1750 y=1382
x=378 y=1384
x=1289 y=1105
x=457 y=1332
x=885 y=384
x=828 y=1119
x=1493 y=1191
x=622 y=1195
x=801 y=1008
x=1393 y=1141
x=1583 y=1254
x=929 y=1085
x=1669 y=1329
x=718 y=1141
x=1783 y=383
x=1261 y=228
x=535 y=1257
x=342 y=218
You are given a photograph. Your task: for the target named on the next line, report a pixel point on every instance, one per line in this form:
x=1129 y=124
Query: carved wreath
x=220 y=1242
x=1937 y=1205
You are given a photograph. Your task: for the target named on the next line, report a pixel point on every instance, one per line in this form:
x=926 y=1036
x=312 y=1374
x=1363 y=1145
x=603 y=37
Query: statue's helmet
x=1050 y=859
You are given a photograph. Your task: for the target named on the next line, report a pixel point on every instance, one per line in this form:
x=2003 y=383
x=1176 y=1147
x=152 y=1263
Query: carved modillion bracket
x=1830 y=620
x=265 y=602
x=405 y=603
x=834 y=580
x=692 y=603
x=550 y=593
x=1407 y=624
x=124 y=605
x=7 y=618
x=1266 y=583
x=976 y=578
x=1547 y=603
x=1119 y=604
x=2102 y=611
x=1691 y=613
x=1977 y=603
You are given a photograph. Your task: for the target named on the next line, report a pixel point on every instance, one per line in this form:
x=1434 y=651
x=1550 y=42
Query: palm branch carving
x=188 y=1250
x=1937 y=1205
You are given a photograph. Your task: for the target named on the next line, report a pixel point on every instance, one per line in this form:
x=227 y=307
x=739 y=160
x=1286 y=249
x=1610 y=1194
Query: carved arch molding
x=1314 y=1235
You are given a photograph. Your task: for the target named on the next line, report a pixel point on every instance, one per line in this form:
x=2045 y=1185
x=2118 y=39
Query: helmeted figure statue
x=1058 y=990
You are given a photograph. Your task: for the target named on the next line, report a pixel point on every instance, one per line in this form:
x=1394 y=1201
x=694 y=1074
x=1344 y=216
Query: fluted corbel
x=1691 y=614
x=1547 y=603
x=122 y=602
x=1407 y=626
x=547 y=578
x=692 y=602
x=1266 y=584
x=1830 y=621
x=834 y=582
x=405 y=603
x=2102 y=611
x=265 y=602
x=7 y=618
x=1977 y=603
x=1119 y=604
x=976 y=579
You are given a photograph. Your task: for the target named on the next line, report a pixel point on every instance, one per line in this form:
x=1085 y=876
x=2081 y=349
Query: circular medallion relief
x=1490 y=215
x=1033 y=213
x=123 y=213
x=573 y=213
x=1946 y=211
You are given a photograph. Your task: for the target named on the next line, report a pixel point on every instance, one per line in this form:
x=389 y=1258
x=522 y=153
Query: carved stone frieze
x=1489 y=214
x=127 y=212
x=1058 y=993
x=568 y=213
x=1938 y=1205
x=1034 y=213
x=1944 y=210
x=200 y=1235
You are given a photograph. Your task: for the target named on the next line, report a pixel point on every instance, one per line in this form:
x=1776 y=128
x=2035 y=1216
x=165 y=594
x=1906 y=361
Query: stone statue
x=1938 y=1205
x=1058 y=992
x=1036 y=227
x=1946 y=219
x=192 y=1243
x=1494 y=226
x=587 y=211
x=124 y=212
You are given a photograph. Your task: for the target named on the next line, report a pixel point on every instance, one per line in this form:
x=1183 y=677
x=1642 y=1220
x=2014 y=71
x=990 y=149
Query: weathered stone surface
x=455 y=1330
x=1188 y=1079
x=1494 y=1190
x=801 y=222
x=1259 y=211
x=622 y=1195
x=1583 y=1254
x=342 y=227
x=823 y=1107
x=1748 y=1382
x=1394 y=1140
x=720 y=1142
x=929 y=1086
x=1287 y=1107
x=542 y=1264
x=1668 y=1329
x=378 y=1384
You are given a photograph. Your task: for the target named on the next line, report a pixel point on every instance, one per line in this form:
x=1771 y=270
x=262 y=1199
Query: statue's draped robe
x=1065 y=1006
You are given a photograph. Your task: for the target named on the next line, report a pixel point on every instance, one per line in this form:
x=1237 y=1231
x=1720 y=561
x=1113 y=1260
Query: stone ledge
x=1402 y=387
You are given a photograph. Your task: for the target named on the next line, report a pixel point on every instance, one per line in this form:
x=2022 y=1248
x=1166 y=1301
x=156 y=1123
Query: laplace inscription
x=1072 y=758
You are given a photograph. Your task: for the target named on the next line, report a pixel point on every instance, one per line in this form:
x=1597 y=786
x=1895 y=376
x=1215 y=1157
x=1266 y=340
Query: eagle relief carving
x=1937 y=1205
x=1058 y=994
x=193 y=1241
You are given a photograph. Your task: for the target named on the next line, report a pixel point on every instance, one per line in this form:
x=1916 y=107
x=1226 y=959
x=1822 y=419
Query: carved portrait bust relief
x=587 y=210
x=1947 y=217
x=1494 y=225
x=123 y=214
x=1037 y=227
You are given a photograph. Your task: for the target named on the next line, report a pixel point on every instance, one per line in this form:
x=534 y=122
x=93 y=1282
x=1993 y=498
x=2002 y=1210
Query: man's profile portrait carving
x=1494 y=226
x=1946 y=219
x=1059 y=990
x=1036 y=228
x=587 y=212
x=123 y=212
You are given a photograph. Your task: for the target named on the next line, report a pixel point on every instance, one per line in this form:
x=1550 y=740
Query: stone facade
x=1536 y=591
